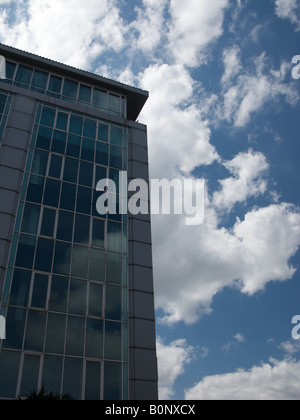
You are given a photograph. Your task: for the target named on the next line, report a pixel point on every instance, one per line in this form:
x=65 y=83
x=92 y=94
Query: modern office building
x=76 y=287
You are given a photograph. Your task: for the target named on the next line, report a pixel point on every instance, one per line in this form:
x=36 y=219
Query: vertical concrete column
x=143 y=375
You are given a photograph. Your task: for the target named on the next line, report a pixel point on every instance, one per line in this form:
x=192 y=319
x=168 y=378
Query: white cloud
x=172 y=359
x=237 y=339
x=179 y=139
x=195 y=23
x=277 y=380
x=82 y=30
x=289 y=9
x=253 y=89
x=248 y=170
x=149 y=25
x=192 y=265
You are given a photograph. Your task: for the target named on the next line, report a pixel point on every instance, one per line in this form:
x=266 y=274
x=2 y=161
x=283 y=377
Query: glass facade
x=65 y=295
x=63 y=88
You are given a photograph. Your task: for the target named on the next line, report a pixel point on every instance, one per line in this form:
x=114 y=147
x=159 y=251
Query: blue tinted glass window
x=95 y=300
x=94 y=338
x=82 y=229
x=62 y=121
x=48 y=222
x=88 y=150
x=75 y=336
x=62 y=257
x=2 y=103
x=70 y=88
x=44 y=252
x=85 y=93
x=9 y=369
x=10 y=70
x=65 y=226
x=98 y=233
x=113 y=341
x=76 y=123
x=23 y=75
x=68 y=195
x=39 y=79
x=114 y=103
x=80 y=261
x=55 y=166
x=30 y=374
x=114 y=268
x=86 y=174
x=39 y=291
x=116 y=136
x=103 y=132
x=114 y=236
x=100 y=173
x=55 y=338
x=59 y=294
x=116 y=157
x=113 y=307
x=25 y=252
x=40 y=160
x=77 y=299
x=73 y=147
x=48 y=116
x=31 y=217
x=102 y=154
x=112 y=381
x=35 y=331
x=99 y=98
x=93 y=380
x=71 y=170
x=35 y=189
x=55 y=84
x=44 y=138
x=73 y=378
x=84 y=199
x=52 y=193
x=97 y=265
x=89 y=129
x=52 y=370
x=16 y=321
x=59 y=142
x=20 y=288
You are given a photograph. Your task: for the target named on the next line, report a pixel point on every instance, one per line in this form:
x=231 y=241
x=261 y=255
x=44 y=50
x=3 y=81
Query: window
x=98 y=233
x=30 y=219
x=35 y=189
x=75 y=336
x=97 y=265
x=116 y=157
x=43 y=139
x=113 y=340
x=114 y=103
x=116 y=136
x=82 y=229
x=92 y=382
x=89 y=128
x=55 y=166
x=94 y=338
x=39 y=80
x=62 y=257
x=59 y=142
x=52 y=372
x=44 y=252
x=30 y=374
x=77 y=299
x=65 y=226
x=68 y=195
x=25 y=252
x=23 y=75
x=73 y=378
x=59 y=294
x=71 y=170
x=103 y=132
x=113 y=307
x=76 y=123
x=40 y=161
x=52 y=193
x=48 y=222
x=39 y=291
x=114 y=236
x=84 y=198
x=95 y=300
x=48 y=116
x=88 y=150
x=102 y=154
x=99 y=98
x=80 y=262
x=112 y=381
x=55 y=338
x=73 y=146
x=85 y=93
x=20 y=288
x=86 y=174
x=114 y=268
x=55 y=84
x=35 y=331
x=70 y=89
x=62 y=121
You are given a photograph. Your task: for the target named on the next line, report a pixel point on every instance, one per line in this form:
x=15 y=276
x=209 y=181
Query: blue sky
x=223 y=106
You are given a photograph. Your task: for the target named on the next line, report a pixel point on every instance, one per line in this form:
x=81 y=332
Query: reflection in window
x=20 y=288
x=97 y=265
x=35 y=189
x=92 y=382
x=9 y=369
x=16 y=320
x=39 y=291
x=114 y=268
x=95 y=300
x=58 y=294
x=112 y=381
x=62 y=257
x=75 y=336
x=70 y=88
x=52 y=373
x=55 y=84
x=114 y=236
x=113 y=307
x=80 y=261
x=39 y=165
x=48 y=221
x=55 y=338
x=94 y=338
x=35 y=331
x=73 y=378
x=77 y=297
x=44 y=252
x=30 y=374
x=113 y=340
x=25 y=251
x=30 y=219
